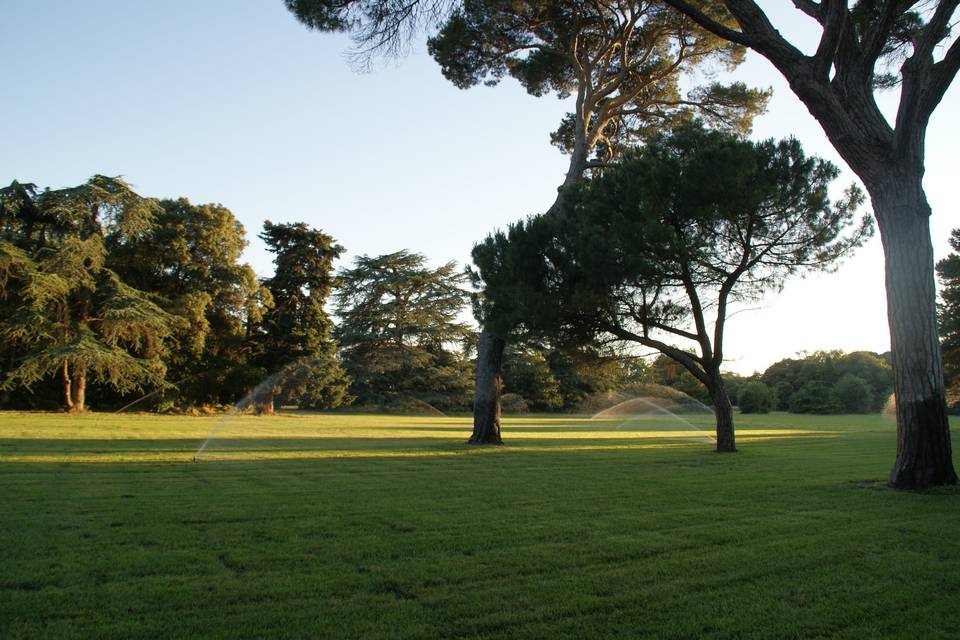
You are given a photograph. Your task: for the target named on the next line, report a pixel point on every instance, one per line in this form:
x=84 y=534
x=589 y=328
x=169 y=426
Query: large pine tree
x=400 y=333
x=68 y=314
x=295 y=340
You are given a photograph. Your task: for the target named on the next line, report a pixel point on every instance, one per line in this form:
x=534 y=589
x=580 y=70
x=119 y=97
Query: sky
x=235 y=102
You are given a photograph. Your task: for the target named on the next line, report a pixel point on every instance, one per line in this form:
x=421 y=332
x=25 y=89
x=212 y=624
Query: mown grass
x=390 y=527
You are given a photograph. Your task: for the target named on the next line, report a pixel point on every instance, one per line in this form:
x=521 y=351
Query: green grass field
x=354 y=526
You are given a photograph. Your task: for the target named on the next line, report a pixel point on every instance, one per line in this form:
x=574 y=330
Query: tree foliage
x=190 y=262
x=75 y=317
x=693 y=221
x=622 y=61
x=858 y=382
x=755 y=397
x=295 y=338
x=400 y=331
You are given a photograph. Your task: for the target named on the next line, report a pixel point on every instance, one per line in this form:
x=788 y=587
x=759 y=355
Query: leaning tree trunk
x=489 y=381
x=723 y=410
x=924 y=454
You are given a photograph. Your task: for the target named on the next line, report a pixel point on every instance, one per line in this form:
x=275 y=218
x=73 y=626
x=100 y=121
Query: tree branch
x=689 y=361
x=710 y=24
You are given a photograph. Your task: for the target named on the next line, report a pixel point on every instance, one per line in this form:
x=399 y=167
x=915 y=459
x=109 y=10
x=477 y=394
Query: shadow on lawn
x=449 y=442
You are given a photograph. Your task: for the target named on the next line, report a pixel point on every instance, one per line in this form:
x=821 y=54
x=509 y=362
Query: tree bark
x=79 y=390
x=924 y=455
x=723 y=410
x=266 y=407
x=487 y=386
x=67 y=391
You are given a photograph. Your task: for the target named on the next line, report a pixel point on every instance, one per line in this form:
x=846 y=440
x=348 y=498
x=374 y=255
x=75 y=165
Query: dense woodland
x=109 y=298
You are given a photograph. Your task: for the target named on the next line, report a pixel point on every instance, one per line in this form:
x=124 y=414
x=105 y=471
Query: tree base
x=486 y=400
x=924 y=454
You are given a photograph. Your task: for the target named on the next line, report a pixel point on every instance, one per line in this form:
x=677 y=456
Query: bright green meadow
x=363 y=526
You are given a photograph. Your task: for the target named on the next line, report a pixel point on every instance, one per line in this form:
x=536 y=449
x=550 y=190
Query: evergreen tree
x=190 y=261
x=75 y=317
x=294 y=342
x=863 y=48
x=693 y=221
x=400 y=333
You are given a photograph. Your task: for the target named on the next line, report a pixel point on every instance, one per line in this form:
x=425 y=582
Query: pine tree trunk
x=489 y=381
x=723 y=410
x=67 y=391
x=79 y=390
x=924 y=455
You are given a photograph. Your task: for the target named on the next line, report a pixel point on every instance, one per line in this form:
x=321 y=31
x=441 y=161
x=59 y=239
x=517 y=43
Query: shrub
x=513 y=403
x=756 y=397
x=853 y=394
x=813 y=397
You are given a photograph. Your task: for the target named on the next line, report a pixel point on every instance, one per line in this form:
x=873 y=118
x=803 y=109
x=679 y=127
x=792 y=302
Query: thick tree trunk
x=67 y=391
x=723 y=410
x=266 y=406
x=489 y=381
x=79 y=390
x=924 y=455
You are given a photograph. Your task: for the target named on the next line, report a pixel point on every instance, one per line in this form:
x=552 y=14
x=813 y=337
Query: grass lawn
x=356 y=526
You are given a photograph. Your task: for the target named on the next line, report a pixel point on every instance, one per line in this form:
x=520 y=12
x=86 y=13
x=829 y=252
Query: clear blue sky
x=235 y=102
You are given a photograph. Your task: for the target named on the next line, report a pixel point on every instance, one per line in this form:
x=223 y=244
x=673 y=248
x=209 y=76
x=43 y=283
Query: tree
x=622 y=61
x=814 y=397
x=694 y=220
x=755 y=397
x=399 y=331
x=827 y=368
x=838 y=83
x=189 y=260
x=527 y=373
x=666 y=371
x=295 y=339
x=852 y=394
x=948 y=316
x=75 y=316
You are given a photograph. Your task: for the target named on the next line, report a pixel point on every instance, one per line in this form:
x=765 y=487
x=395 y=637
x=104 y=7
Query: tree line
x=107 y=297
x=111 y=299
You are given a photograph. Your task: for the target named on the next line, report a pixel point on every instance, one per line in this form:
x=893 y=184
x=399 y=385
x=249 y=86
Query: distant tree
x=295 y=344
x=755 y=397
x=815 y=396
x=948 y=317
x=668 y=372
x=690 y=222
x=585 y=370
x=865 y=47
x=733 y=383
x=190 y=260
x=827 y=368
x=73 y=317
x=399 y=331
x=853 y=394
x=527 y=373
